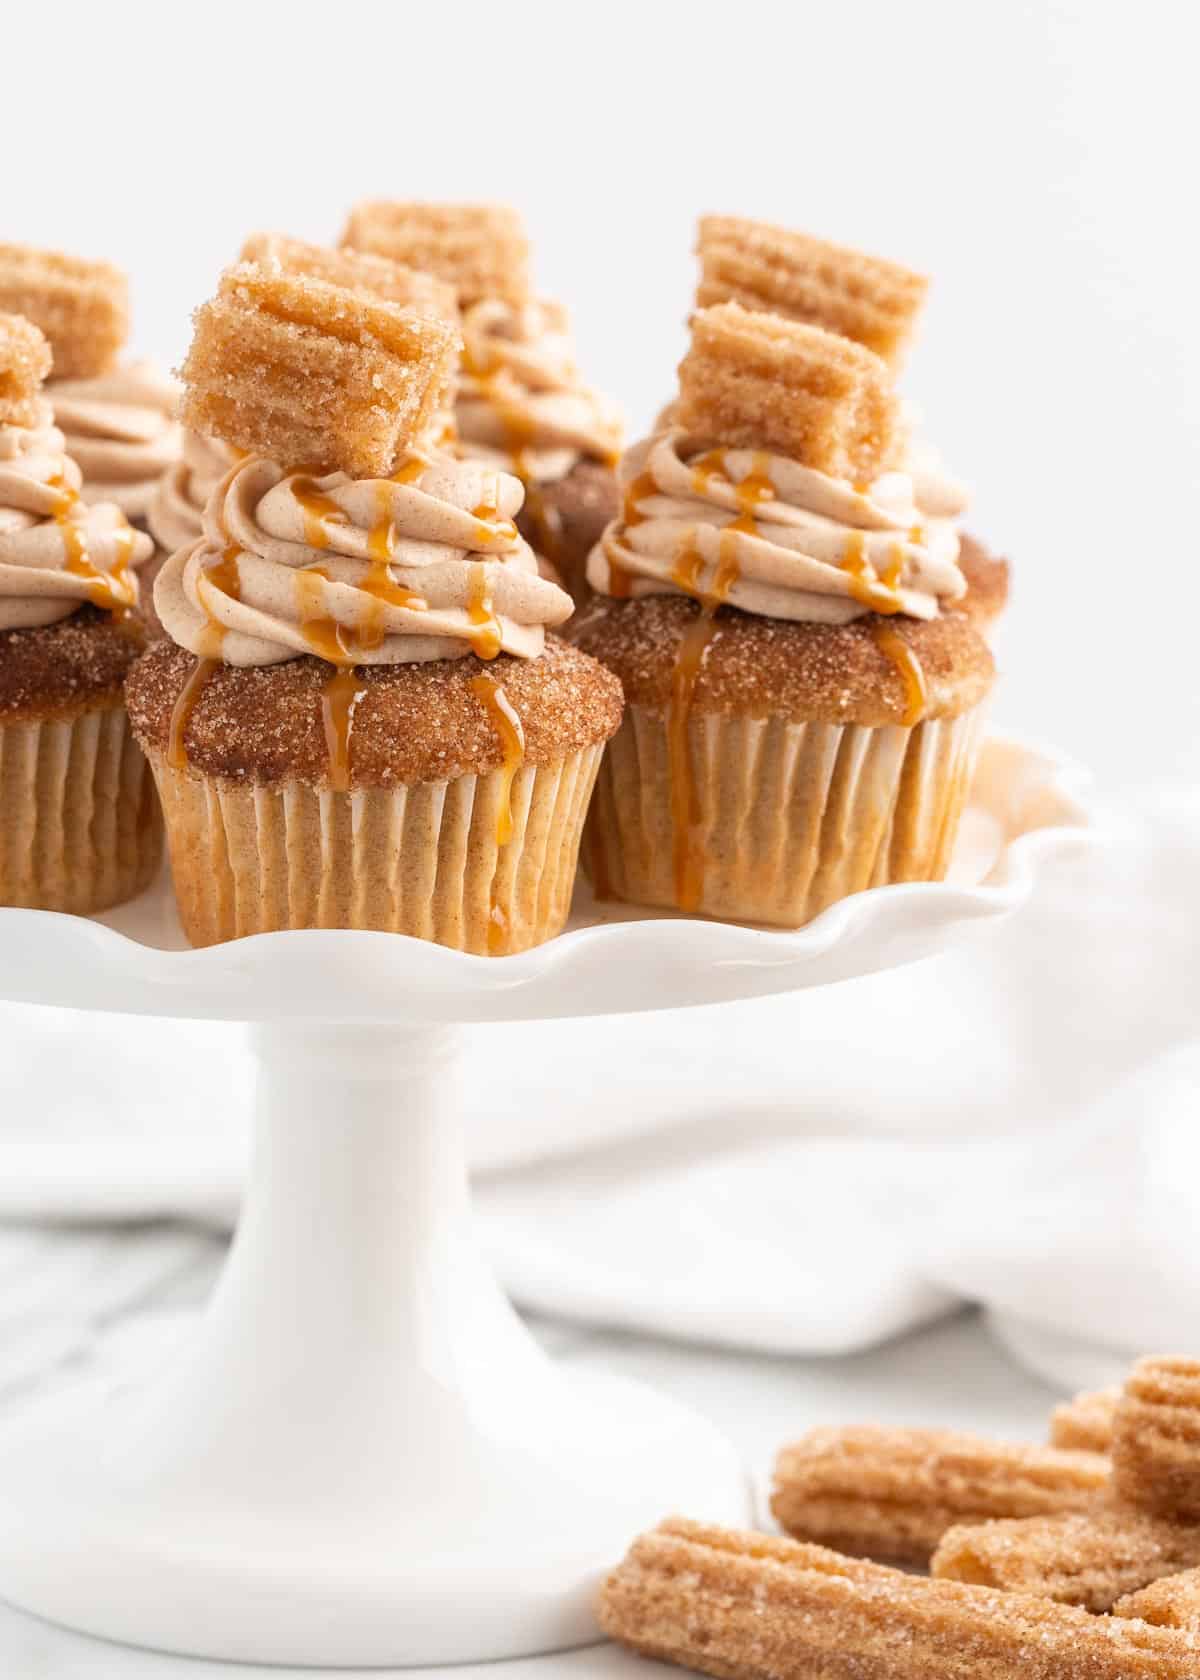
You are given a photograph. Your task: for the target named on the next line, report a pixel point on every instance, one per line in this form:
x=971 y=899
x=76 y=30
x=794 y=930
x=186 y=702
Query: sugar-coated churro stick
x=24 y=364
x=82 y=307
x=481 y=249
x=1172 y=1602
x=358 y=271
x=785 y=272
x=893 y=1493
x=1086 y=1423
x=1156 y=1439
x=315 y=375
x=758 y=381
x=752 y=1607
x=1090 y=1560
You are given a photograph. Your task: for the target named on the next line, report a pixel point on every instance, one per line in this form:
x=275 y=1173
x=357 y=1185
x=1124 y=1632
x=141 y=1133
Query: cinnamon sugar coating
x=1086 y=1421
x=481 y=249
x=766 y=667
x=412 y=723
x=783 y=272
x=1156 y=1438
x=1172 y=1602
x=359 y=272
x=751 y=1607
x=82 y=307
x=24 y=364
x=754 y=381
x=315 y=375
x=1090 y=1559
x=893 y=1493
x=988 y=578
x=56 y=670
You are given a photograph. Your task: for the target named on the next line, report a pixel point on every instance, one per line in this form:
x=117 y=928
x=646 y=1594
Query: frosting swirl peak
x=426 y=564
x=763 y=533
x=121 y=429
x=57 y=551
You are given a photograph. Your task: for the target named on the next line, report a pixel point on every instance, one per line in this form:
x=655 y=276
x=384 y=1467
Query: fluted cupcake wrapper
x=425 y=860
x=782 y=819
x=79 y=822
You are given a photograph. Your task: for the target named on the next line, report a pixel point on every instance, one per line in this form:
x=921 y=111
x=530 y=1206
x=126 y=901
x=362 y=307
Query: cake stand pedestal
x=364 y=1459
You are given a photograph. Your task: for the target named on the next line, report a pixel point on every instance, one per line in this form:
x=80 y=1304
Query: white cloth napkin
x=1013 y=1124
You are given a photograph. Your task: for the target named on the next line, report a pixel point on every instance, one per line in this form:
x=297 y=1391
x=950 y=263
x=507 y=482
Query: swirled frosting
x=121 y=430
x=56 y=550
x=772 y=537
x=424 y=565
x=522 y=406
x=176 y=514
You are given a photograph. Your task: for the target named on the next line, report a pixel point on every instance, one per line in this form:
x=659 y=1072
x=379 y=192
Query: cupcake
x=872 y=301
x=803 y=703
x=79 y=825
x=359 y=720
x=118 y=418
x=522 y=407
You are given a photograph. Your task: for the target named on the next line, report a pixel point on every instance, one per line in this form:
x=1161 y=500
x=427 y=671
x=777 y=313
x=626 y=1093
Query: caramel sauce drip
x=707 y=467
x=319 y=510
x=338 y=699
x=916 y=692
x=409 y=471
x=113 y=590
x=866 y=587
x=322 y=633
x=488 y=514
x=486 y=637
x=184 y=706
x=507 y=724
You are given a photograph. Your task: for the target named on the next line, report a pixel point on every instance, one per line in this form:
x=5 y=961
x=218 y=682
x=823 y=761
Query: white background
x=1037 y=160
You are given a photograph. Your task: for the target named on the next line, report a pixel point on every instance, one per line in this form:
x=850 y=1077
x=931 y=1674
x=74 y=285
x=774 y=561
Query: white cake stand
x=364 y=1459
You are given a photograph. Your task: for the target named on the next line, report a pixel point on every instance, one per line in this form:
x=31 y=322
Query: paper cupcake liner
x=785 y=818
x=423 y=860
x=79 y=821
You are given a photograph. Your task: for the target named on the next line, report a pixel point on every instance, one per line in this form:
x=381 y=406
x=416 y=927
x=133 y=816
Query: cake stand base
x=364 y=1460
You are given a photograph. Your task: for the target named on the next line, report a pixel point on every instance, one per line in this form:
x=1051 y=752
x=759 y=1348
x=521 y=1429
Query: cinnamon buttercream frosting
x=758 y=531
x=56 y=550
x=522 y=405
x=121 y=429
x=424 y=565
x=176 y=515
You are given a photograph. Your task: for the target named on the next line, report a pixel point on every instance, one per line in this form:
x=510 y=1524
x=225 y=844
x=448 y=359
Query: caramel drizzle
x=866 y=586
x=916 y=691
x=182 y=711
x=507 y=724
x=487 y=635
x=113 y=590
x=338 y=700
x=319 y=510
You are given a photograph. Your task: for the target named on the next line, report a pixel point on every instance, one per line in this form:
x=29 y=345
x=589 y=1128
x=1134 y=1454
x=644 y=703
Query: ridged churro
x=784 y=272
x=82 y=307
x=1156 y=1439
x=358 y=271
x=751 y=1607
x=24 y=364
x=1172 y=1602
x=759 y=382
x=893 y=1493
x=1086 y=1423
x=1090 y=1559
x=311 y=374
x=481 y=249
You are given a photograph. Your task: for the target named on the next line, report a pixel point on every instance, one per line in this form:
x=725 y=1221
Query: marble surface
x=952 y=1375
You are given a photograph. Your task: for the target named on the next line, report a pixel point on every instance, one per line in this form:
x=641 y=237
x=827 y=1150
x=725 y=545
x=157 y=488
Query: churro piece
x=358 y=271
x=82 y=307
x=759 y=382
x=1091 y=1559
x=893 y=1493
x=1156 y=1439
x=1086 y=1423
x=24 y=364
x=314 y=375
x=751 y=1607
x=1172 y=1602
x=783 y=272
x=481 y=249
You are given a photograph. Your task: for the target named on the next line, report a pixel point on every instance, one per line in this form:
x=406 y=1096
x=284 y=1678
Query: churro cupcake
x=522 y=405
x=802 y=711
x=79 y=824
x=118 y=417
x=876 y=303
x=359 y=720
